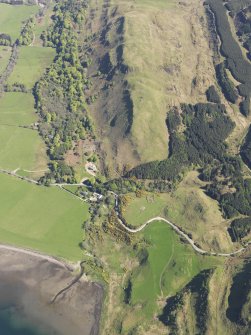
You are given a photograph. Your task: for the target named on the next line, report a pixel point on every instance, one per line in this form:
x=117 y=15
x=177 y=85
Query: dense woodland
x=240 y=11
x=246 y=149
x=213 y=95
x=228 y=88
x=198 y=289
x=228 y=187
x=239 y=297
x=239 y=67
x=5 y=39
x=240 y=228
x=197 y=140
x=206 y=128
x=59 y=94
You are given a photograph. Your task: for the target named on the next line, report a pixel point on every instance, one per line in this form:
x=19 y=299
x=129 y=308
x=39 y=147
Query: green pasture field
x=170 y=266
x=20 y=148
x=17 y=108
x=44 y=219
x=5 y=53
x=12 y=18
x=31 y=64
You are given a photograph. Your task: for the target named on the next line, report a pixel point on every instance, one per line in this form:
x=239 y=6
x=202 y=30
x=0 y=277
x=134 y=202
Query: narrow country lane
x=180 y=232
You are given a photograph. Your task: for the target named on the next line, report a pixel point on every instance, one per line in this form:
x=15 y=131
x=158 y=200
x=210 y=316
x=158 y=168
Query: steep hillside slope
x=146 y=56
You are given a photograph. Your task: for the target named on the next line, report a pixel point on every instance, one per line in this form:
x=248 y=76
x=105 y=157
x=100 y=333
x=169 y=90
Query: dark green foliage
x=212 y=95
x=238 y=296
x=226 y=85
x=161 y=186
x=59 y=94
x=173 y=120
x=246 y=149
x=240 y=228
x=247 y=45
x=59 y=172
x=234 y=6
x=123 y=185
x=235 y=62
x=238 y=198
x=143 y=256
x=27 y=34
x=16 y=87
x=207 y=127
x=245 y=106
x=198 y=287
x=5 y=39
x=128 y=292
x=240 y=12
x=235 y=202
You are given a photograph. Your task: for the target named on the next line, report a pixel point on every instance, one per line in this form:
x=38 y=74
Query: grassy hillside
x=45 y=219
x=170 y=266
x=12 y=17
x=157 y=51
x=189 y=207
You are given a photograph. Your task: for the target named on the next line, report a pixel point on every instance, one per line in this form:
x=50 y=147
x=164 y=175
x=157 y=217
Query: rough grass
x=165 y=50
x=188 y=207
x=31 y=64
x=12 y=18
x=5 y=53
x=21 y=148
x=170 y=266
x=17 y=108
x=45 y=219
x=42 y=23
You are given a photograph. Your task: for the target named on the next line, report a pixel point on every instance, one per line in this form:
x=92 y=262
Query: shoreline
x=52 y=259
x=29 y=280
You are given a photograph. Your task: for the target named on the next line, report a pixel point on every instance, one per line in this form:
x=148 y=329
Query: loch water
x=12 y=322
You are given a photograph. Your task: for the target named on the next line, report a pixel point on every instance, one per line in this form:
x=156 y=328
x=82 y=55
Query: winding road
x=137 y=230
x=184 y=235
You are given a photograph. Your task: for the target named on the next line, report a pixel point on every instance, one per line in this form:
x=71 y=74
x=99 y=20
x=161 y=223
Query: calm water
x=13 y=324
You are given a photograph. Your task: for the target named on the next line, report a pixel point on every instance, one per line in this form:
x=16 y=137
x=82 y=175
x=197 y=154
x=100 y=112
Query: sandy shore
x=29 y=283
